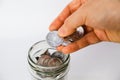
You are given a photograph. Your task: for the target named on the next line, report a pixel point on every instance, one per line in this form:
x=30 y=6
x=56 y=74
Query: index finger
x=67 y=11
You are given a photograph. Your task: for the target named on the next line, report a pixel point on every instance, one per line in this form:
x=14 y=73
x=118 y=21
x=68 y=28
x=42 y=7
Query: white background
x=24 y=22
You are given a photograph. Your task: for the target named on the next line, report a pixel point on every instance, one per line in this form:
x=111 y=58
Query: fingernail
x=51 y=28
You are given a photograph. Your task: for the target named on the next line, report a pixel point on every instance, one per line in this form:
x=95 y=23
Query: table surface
x=24 y=22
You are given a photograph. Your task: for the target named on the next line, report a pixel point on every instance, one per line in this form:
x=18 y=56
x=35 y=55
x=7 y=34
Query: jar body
x=39 y=72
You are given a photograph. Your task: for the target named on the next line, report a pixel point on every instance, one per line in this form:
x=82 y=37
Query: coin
x=59 y=55
x=46 y=59
x=75 y=36
x=81 y=31
x=43 y=60
x=54 y=62
x=53 y=39
x=65 y=43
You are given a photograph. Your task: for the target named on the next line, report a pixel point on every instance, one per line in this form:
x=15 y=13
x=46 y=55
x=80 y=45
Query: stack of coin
x=54 y=40
x=49 y=60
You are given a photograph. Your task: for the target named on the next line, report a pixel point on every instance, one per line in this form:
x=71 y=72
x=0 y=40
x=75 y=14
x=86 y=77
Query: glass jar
x=40 y=72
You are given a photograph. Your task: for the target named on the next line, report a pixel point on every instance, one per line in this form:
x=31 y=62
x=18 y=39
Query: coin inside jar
x=49 y=60
x=54 y=62
x=43 y=60
x=59 y=55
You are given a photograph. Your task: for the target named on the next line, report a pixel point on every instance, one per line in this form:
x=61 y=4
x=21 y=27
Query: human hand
x=100 y=17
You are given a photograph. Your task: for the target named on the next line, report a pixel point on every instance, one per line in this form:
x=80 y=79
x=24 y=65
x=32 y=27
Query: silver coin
x=59 y=55
x=47 y=60
x=53 y=39
x=81 y=31
x=54 y=62
x=74 y=36
x=43 y=60
x=45 y=63
x=65 y=43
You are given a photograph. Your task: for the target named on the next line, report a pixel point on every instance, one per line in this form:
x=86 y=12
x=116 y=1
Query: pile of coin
x=49 y=60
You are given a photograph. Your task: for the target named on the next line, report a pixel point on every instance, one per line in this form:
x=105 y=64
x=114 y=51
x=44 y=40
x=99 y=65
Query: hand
x=100 y=17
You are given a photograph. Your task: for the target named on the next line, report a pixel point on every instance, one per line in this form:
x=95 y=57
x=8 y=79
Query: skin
x=101 y=20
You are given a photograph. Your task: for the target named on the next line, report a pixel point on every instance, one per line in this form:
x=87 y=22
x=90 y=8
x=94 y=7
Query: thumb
x=72 y=22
